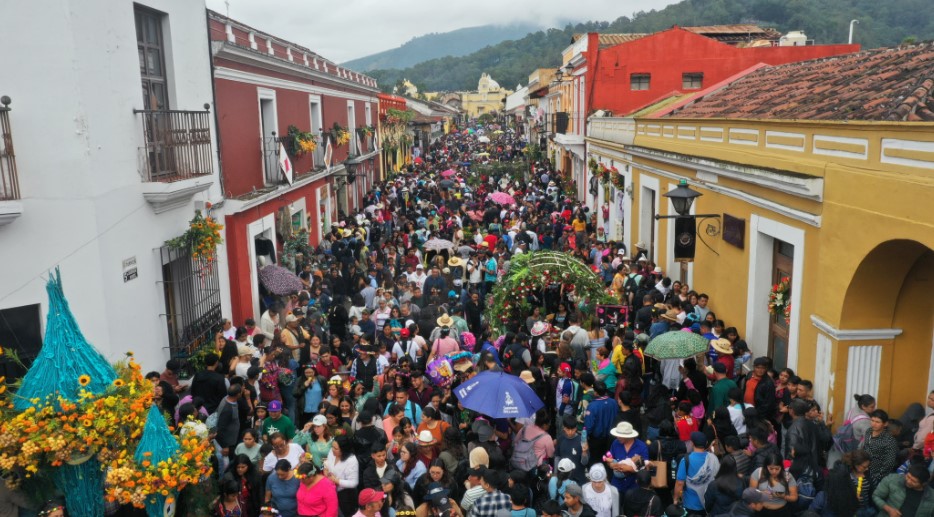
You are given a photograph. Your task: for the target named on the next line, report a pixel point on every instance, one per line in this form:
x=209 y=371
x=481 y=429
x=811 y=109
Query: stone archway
x=890 y=289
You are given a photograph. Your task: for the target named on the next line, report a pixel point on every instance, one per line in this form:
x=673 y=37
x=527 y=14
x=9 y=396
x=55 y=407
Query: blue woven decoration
x=83 y=486
x=161 y=445
x=64 y=358
x=157 y=439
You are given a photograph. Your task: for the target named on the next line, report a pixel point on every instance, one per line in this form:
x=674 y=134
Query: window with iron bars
x=192 y=301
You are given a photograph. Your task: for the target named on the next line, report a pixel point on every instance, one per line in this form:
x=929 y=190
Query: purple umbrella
x=499 y=395
x=279 y=280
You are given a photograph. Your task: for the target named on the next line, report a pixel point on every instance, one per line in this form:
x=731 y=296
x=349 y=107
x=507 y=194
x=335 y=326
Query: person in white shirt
x=269 y=323
x=419 y=276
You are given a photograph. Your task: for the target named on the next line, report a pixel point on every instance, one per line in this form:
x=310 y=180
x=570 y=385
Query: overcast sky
x=341 y=30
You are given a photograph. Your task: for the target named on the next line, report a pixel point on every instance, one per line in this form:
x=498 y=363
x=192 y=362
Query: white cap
x=565 y=465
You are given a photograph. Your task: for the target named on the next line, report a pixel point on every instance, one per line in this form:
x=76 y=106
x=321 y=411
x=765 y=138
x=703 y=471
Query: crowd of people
x=327 y=406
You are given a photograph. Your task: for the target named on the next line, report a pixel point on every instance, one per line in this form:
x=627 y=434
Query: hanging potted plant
x=340 y=134
x=201 y=239
x=366 y=131
x=617 y=179
x=300 y=142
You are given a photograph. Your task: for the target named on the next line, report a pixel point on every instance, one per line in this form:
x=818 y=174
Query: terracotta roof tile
x=882 y=84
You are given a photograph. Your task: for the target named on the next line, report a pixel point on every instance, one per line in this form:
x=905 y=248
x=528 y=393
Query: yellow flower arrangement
x=202 y=238
x=55 y=431
x=341 y=135
x=129 y=483
x=109 y=425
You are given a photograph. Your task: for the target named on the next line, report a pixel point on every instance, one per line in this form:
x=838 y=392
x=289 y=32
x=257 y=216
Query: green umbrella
x=677 y=345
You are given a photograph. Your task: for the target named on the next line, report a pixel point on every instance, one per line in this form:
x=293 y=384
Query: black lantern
x=682 y=198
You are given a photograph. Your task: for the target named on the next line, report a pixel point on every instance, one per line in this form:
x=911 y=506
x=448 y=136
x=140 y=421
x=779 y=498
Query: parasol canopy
x=499 y=395
x=448 y=173
x=436 y=244
x=484 y=139
x=676 y=345
x=502 y=198
x=279 y=280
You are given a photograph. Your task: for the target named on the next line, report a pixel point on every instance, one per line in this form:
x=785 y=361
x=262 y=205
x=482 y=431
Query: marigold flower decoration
x=107 y=426
x=130 y=483
x=202 y=238
x=55 y=430
x=780 y=299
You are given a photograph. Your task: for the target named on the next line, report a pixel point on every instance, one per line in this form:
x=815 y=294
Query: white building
x=102 y=186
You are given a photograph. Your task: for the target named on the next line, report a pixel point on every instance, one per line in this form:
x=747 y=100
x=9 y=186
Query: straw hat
x=445 y=321
x=722 y=345
x=455 y=262
x=671 y=315
x=527 y=376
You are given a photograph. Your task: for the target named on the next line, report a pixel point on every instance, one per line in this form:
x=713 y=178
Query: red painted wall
x=238 y=256
x=239 y=128
x=667 y=55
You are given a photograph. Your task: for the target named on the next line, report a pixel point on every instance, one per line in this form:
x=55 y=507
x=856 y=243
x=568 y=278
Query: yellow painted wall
x=874 y=192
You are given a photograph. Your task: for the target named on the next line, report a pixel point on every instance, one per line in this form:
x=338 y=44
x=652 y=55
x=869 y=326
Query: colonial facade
x=115 y=149
x=616 y=74
x=269 y=90
x=818 y=172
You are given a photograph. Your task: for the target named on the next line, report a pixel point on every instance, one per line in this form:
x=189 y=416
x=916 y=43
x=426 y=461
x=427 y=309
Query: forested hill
x=882 y=23
x=431 y=46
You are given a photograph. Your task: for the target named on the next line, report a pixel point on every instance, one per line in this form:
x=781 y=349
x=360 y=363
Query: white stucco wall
x=72 y=72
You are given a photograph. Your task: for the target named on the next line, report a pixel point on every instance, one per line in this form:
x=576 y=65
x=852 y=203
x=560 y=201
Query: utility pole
x=852 y=24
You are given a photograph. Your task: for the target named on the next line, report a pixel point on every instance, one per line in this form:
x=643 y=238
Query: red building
x=621 y=73
x=265 y=89
x=625 y=77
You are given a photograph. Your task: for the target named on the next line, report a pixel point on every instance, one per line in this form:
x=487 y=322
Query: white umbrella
x=484 y=139
x=438 y=245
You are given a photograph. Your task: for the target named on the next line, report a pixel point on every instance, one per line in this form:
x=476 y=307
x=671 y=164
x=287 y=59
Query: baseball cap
x=275 y=405
x=368 y=495
x=699 y=439
x=565 y=465
x=319 y=420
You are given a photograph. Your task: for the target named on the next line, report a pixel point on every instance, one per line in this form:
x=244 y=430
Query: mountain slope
x=882 y=23
x=456 y=43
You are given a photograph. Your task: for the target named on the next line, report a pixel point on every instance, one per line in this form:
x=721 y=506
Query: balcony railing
x=270 y=148
x=178 y=144
x=9 y=183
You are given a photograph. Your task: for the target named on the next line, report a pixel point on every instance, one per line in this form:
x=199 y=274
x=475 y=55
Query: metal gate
x=192 y=301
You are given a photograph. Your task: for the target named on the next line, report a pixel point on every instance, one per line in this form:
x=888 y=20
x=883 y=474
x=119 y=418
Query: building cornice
x=232 y=74
x=237 y=205
x=245 y=56
x=854 y=334
x=626 y=156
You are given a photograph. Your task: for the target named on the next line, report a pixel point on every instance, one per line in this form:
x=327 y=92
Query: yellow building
x=819 y=171
x=488 y=98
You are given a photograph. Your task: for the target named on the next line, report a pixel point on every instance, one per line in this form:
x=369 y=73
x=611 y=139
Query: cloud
x=348 y=29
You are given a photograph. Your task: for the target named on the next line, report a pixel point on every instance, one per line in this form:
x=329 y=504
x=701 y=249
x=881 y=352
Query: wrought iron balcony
x=561 y=120
x=9 y=183
x=177 y=145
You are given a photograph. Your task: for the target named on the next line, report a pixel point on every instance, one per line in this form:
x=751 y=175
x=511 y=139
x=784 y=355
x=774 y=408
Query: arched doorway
x=891 y=289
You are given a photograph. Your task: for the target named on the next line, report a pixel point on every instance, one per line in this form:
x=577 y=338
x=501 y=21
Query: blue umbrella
x=499 y=395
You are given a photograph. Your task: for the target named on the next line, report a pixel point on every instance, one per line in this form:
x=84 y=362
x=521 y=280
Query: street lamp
x=682 y=198
x=685 y=227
